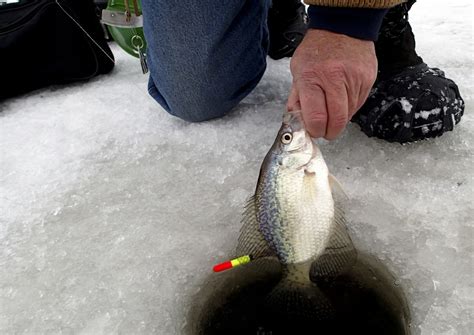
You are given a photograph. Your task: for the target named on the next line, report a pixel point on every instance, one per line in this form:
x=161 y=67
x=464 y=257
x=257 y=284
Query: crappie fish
x=302 y=274
x=293 y=215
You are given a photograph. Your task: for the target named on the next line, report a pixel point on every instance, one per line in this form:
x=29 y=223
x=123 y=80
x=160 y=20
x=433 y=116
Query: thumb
x=293 y=103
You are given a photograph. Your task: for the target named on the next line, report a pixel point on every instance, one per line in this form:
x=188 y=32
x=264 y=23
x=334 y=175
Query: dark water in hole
x=365 y=300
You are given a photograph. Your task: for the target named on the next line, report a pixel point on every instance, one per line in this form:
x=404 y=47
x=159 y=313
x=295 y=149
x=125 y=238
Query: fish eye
x=286 y=138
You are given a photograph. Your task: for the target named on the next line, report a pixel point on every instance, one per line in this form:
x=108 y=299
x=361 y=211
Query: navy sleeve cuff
x=362 y=23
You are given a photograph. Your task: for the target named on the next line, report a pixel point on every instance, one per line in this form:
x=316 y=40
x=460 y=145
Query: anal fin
x=336 y=185
x=339 y=254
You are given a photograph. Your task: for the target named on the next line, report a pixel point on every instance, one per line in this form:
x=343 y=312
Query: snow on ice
x=112 y=211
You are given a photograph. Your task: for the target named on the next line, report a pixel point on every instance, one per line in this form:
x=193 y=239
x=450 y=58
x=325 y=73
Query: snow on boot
x=287 y=25
x=409 y=101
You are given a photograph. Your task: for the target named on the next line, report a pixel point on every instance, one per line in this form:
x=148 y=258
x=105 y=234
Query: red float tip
x=232 y=263
x=223 y=266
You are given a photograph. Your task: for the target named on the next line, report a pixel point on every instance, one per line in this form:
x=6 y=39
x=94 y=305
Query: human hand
x=332 y=78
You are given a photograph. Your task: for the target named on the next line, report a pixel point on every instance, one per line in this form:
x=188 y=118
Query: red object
x=223 y=266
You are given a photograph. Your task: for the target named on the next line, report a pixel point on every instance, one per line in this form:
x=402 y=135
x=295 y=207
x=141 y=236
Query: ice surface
x=112 y=212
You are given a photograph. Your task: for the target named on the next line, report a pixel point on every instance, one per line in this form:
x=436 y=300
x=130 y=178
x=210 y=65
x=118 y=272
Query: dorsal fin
x=251 y=241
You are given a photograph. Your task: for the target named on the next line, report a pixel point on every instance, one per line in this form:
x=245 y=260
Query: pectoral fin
x=310 y=168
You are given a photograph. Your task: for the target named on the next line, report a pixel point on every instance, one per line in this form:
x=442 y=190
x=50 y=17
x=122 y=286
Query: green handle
x=129 y=39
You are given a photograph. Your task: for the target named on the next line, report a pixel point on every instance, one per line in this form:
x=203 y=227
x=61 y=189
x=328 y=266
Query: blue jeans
x=204 y=56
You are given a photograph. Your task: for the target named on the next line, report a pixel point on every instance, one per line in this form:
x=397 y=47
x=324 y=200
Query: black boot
x=287 y=24
x=409 y=100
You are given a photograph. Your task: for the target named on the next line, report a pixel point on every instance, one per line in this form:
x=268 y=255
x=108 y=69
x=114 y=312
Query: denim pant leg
x=204 y=56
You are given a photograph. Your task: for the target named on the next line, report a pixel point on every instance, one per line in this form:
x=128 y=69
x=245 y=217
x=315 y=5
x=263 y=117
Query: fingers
x=363 y=95
x=338 y=110
x=313 y=108
x=365 y=86
x=293 y=103
x=325 y=110
x=352 y=91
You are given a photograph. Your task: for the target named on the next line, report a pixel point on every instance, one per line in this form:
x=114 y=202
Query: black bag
x=45 y=42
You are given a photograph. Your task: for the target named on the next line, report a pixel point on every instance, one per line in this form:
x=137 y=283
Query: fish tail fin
x=295 y=297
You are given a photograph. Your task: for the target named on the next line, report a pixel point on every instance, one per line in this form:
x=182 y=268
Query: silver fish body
x=293 y=215
x=293 y=199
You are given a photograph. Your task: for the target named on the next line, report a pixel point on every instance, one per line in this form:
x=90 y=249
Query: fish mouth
x=294 y=118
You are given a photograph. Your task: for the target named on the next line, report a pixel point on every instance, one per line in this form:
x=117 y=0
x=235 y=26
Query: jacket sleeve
x=361 y=23
x=355 y=3
x=356 y=18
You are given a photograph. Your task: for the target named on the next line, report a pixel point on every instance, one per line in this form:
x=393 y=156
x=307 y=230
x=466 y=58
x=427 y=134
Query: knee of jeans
x=201 y=108
x=197 y=105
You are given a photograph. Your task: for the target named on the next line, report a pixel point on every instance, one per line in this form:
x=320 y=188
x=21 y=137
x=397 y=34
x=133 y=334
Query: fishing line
x=85 y=32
